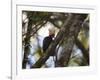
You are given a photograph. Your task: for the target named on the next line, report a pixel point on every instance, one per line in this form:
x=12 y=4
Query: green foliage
x=84 y=38
x=74 y=62
x=39 y=51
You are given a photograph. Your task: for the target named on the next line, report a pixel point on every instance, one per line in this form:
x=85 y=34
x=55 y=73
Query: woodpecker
x=48 y=39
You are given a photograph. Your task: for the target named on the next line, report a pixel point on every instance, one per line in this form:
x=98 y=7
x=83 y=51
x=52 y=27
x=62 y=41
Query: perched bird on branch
x=48 y=39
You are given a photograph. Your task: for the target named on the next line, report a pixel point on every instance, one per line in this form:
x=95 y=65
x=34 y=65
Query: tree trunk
x=27 y=45
x=70 y=39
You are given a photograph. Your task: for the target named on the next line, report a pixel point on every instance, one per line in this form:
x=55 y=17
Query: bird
x=48 y=39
